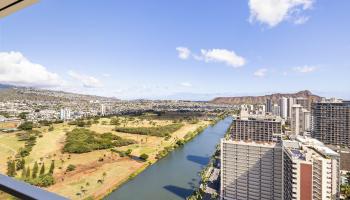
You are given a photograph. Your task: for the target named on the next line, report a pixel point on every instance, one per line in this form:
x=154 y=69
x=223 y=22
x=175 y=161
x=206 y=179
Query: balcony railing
x=25 y=191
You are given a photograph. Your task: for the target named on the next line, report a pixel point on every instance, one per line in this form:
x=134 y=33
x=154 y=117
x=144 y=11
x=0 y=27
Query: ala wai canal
x=177 y=175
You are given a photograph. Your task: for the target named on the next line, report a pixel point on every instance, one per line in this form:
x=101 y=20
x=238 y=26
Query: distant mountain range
x=10 y=93
x=262 y=99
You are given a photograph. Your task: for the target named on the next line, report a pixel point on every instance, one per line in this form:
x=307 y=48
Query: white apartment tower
x=284 y=108
x=300 y=120
x=103 y=110
x=276 y=110
x=65 y=114
x=291 y=102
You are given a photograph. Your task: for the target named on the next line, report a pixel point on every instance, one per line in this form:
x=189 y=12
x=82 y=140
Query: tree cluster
x=34 y=176
x=345 y=188
x=83 y=140
x=160 y=131
x=30 y=140
x=26 y=126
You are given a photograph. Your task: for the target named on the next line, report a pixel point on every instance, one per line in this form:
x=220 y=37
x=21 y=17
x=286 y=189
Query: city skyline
x=178 y=50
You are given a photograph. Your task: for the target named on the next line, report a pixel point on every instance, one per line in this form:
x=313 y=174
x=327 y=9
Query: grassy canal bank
x=102 y=167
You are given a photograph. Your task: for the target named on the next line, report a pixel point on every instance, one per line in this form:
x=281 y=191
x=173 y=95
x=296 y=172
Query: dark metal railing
x=25 y=191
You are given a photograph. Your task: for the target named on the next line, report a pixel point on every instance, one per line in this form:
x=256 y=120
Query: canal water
x=177 y=175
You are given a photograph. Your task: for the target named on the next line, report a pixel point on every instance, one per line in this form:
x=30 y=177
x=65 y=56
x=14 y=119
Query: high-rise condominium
x=284 y=107
x=251 y=170
x=331 y=122
x=65 y=114
x=268 y=105
x=291 y=102
x=276 y=110
x=311 y=170
x=255 y=130
x=300 y=121
x=103 y=109
x=302 y=168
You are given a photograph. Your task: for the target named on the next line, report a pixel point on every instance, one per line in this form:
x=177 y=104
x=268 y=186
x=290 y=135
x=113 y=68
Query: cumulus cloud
x=16 y=69
x=222 y=55
x=86 y=80
x=183 y=53
x=304 y=69
x=273 y=12
x=186 y=84
x=260 y=72
x=213 y=55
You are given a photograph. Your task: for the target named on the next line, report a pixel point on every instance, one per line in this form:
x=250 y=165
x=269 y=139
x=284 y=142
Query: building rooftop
x=310 y=145
x=251 y=143
x=296 y=153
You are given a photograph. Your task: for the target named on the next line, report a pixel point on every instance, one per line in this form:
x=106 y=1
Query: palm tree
x=24 y=172
x=104 y=174
x=78 y=194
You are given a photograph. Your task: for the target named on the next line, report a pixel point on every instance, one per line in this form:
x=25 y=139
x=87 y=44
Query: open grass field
x=98 y=172
x=8 y=148
x=8 y=124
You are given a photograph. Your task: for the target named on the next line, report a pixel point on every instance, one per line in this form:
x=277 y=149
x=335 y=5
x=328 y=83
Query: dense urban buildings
x=299 y=168
x=255 y=130
x=251 y=170
x=331 y=122
x=309 y=170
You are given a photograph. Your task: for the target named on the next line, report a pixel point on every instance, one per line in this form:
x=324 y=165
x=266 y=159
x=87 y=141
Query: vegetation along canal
x=177 y=175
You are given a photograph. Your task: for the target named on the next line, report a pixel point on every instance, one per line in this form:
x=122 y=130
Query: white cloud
x=304 y=69
x=106 y=75
x=260 y=72
x=273 y=12
x=86 y=80
x=186 y=84
x=301 y=20
x=183 y=53
x=221 y=55
x=16 y=69
x=213 y=55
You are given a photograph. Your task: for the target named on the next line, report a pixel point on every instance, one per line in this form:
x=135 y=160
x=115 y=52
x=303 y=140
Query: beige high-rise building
x=331 y=122
x=251 y=171
x=263 y=130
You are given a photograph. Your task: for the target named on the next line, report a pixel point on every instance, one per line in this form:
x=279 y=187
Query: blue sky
x=130 y=49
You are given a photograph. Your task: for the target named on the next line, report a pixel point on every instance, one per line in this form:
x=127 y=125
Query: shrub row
x=160 y=131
